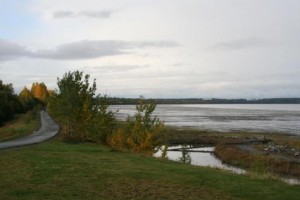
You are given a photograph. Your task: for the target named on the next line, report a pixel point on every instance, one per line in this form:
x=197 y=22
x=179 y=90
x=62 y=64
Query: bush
x=9 y=103
x=82 y=114
x=140 y=132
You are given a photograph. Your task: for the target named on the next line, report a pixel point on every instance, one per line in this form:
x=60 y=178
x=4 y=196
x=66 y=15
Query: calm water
x=226 y=117
x=205 y=158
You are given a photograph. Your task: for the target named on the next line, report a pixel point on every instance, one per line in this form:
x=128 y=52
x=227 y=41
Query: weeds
x=256 y=162
x=23 y=125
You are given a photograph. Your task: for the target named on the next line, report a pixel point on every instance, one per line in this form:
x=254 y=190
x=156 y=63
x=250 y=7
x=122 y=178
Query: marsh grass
x=176 y=136
x=22 y=125
x=259 y=163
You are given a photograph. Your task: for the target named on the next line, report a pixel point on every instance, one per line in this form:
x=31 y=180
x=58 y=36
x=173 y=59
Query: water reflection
x=291 y=181
x=203 y=156
x=185 y=155
x=200 y=156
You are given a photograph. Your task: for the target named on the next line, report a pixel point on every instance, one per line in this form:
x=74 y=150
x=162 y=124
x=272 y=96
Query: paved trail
x=48 y=130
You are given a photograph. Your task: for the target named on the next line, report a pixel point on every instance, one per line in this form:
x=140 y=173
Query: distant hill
x=129 y=101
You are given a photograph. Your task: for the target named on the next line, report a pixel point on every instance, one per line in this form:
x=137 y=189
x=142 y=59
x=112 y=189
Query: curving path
x=48 y=130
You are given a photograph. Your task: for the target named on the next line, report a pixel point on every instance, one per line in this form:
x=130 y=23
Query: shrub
x=82 y=114
x=140 y=132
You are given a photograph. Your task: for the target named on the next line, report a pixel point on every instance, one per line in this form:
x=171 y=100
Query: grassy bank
x=22 y=125
x=56 y=170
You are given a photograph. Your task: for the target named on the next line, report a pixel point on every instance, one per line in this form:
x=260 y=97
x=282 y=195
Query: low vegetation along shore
x=263 y=153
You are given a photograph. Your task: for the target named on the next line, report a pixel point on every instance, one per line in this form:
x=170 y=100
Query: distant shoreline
x=133 y=101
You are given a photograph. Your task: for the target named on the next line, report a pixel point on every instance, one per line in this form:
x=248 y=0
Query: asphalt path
x=48 y=130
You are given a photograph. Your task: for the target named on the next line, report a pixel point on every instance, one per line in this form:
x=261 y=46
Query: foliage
x=141 y=132
x=9 y=103
x=82 y=115
x=27 y=99
x=51 y=92
x=21 y=125
x=103 y=121
x=256 y=162
x=40 y=92
x=185 y=156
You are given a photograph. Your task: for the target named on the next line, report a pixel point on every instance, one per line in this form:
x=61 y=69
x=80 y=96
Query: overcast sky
x=155 y=48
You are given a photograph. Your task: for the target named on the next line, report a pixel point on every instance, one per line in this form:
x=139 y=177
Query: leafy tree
x=40 y=92
x=51 y=92
x=82 y=114
x=141 y=132
x=9 y=103
x=27 y=99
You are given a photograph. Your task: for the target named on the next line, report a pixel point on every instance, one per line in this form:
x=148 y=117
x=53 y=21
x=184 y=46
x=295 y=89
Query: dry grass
x=22 y=125
x=257 y=162
x=128 y=188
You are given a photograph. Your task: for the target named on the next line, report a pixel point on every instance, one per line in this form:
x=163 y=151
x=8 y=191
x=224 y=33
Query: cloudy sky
x=155 y=48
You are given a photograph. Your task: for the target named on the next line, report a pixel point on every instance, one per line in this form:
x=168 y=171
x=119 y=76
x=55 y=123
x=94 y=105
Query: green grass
x=22 y=125
x=56 y=170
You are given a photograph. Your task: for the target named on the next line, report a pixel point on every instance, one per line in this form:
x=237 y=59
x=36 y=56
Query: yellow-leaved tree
x=40 y=92
x=141 y=133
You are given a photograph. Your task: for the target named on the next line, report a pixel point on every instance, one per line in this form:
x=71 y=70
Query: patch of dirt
x=129 y=188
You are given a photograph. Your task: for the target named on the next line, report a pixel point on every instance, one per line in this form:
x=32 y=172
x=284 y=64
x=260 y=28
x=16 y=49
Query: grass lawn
x=56 y=170
x=22 y=125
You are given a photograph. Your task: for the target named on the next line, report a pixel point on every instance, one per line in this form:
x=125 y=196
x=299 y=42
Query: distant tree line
x=11 y=103
x=133 y=101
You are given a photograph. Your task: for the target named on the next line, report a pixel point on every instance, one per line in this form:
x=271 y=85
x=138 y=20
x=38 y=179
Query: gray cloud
x=62 y=14
x=115 y=68
x=154 y=44
x=10 y=50
x=242 y=44
x=97 y=48
x=86 y=13
x=84 y=49
x=96 y=14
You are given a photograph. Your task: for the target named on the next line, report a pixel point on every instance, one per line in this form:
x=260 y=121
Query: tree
x=40 y=92
x=26 y=98
x=141 y=132
x=185 y=155
x=82 y=114
x=9 y=103
x=51 y=92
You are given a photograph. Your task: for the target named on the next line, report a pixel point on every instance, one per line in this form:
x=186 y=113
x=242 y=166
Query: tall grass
x=22 y=125
x=263 y=164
